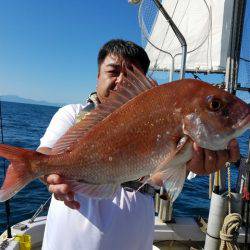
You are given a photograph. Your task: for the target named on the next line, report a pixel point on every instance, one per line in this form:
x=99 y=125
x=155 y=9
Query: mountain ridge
x=15 y=98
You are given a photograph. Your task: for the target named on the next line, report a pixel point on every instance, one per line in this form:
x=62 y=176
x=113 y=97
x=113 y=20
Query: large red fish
x=141 y=129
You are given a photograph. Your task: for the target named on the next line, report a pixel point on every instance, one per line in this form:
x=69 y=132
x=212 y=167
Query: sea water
x=25 y=124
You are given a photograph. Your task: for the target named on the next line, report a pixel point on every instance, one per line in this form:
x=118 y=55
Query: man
x=127 y=220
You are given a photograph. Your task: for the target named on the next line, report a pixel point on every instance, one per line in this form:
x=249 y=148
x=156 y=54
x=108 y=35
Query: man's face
x=111 y=73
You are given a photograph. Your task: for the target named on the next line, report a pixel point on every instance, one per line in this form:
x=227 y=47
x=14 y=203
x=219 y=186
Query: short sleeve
x=63 y=119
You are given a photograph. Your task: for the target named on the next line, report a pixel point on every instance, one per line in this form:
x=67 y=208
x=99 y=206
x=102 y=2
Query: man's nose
x=121 y=77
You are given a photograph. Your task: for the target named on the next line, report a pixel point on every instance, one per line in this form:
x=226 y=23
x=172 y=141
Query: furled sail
x=205 y=24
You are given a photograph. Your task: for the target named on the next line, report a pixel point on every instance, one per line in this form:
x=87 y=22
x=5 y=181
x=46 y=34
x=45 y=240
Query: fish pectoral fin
x=173 y=179
x=177 y=156
x=172 y=171
x=95 y=191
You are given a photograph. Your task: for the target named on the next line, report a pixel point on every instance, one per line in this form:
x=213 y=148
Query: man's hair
x=127 y=50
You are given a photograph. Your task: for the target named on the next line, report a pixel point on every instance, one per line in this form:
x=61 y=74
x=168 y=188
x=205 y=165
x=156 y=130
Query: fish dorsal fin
x=133 y=84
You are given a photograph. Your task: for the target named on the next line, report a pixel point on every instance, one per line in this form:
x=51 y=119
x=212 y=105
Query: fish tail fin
x=19 y=172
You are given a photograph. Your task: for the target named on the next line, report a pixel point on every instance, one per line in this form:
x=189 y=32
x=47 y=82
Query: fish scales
x=111 y=142
x=141 y=140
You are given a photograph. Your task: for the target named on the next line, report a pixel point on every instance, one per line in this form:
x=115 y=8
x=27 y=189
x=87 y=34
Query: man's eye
x=114 y=73
x=131 y=68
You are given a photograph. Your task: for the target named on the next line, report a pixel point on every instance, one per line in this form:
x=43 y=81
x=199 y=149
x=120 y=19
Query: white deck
x=167 y=236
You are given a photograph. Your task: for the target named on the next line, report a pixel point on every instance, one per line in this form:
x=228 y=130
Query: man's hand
x=62 y=190
x=205 y=161
x=59 y=186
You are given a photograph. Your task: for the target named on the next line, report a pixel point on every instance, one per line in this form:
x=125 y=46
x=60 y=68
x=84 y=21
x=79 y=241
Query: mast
x=233 y=57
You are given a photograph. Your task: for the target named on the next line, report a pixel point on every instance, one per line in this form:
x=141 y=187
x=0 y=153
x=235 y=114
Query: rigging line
x=39 y=210
x=196 y=76
x=163 y=42
x=179 y=23
x=170 y=26
x=7 y=203
x=209 y=39
x=144 y=30
x=244 y=59
x=207 y=36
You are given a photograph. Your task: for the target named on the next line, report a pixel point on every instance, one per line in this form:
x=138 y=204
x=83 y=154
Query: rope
x=229 y=187
x=232 y=222
x=229 y=232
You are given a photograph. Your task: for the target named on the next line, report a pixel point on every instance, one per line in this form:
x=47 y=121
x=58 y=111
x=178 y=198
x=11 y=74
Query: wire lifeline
x=39 y=210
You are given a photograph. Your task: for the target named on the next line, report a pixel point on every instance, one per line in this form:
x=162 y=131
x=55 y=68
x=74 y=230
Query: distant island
x=14 y=98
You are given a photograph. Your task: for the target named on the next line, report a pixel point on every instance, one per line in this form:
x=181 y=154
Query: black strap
x=135 y=185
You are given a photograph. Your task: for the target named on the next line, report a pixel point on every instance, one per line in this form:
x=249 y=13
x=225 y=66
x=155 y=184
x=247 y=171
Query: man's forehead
x=113 y=60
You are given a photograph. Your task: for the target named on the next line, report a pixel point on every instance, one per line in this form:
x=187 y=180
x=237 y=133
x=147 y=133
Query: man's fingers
x=59 y=197
x=68 y=200
x=59 y=189
x=72 y=204
x=53 y=179
x=69 y=196
x=222 y=158
x=206 y=161
x=196 y=164
x=215 y=160
x=65 y=197
x=234 y=151
x=210 y=161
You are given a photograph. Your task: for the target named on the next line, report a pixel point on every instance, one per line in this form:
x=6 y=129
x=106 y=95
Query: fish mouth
x=243 y=124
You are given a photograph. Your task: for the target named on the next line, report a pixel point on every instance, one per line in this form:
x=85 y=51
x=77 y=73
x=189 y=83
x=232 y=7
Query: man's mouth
x=114 y=87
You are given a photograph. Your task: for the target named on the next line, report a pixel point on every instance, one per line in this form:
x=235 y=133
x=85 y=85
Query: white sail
x=204 y=24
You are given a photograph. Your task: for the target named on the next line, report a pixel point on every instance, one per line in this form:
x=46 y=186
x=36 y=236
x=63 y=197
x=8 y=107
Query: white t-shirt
x=124 y=223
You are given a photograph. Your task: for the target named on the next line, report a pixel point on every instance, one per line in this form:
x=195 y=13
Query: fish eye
x=214 y=104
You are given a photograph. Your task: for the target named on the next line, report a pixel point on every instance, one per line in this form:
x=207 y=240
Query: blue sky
x=48 y=48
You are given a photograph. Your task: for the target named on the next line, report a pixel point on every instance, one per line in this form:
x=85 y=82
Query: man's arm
x=58 y=185
x=59 y=124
